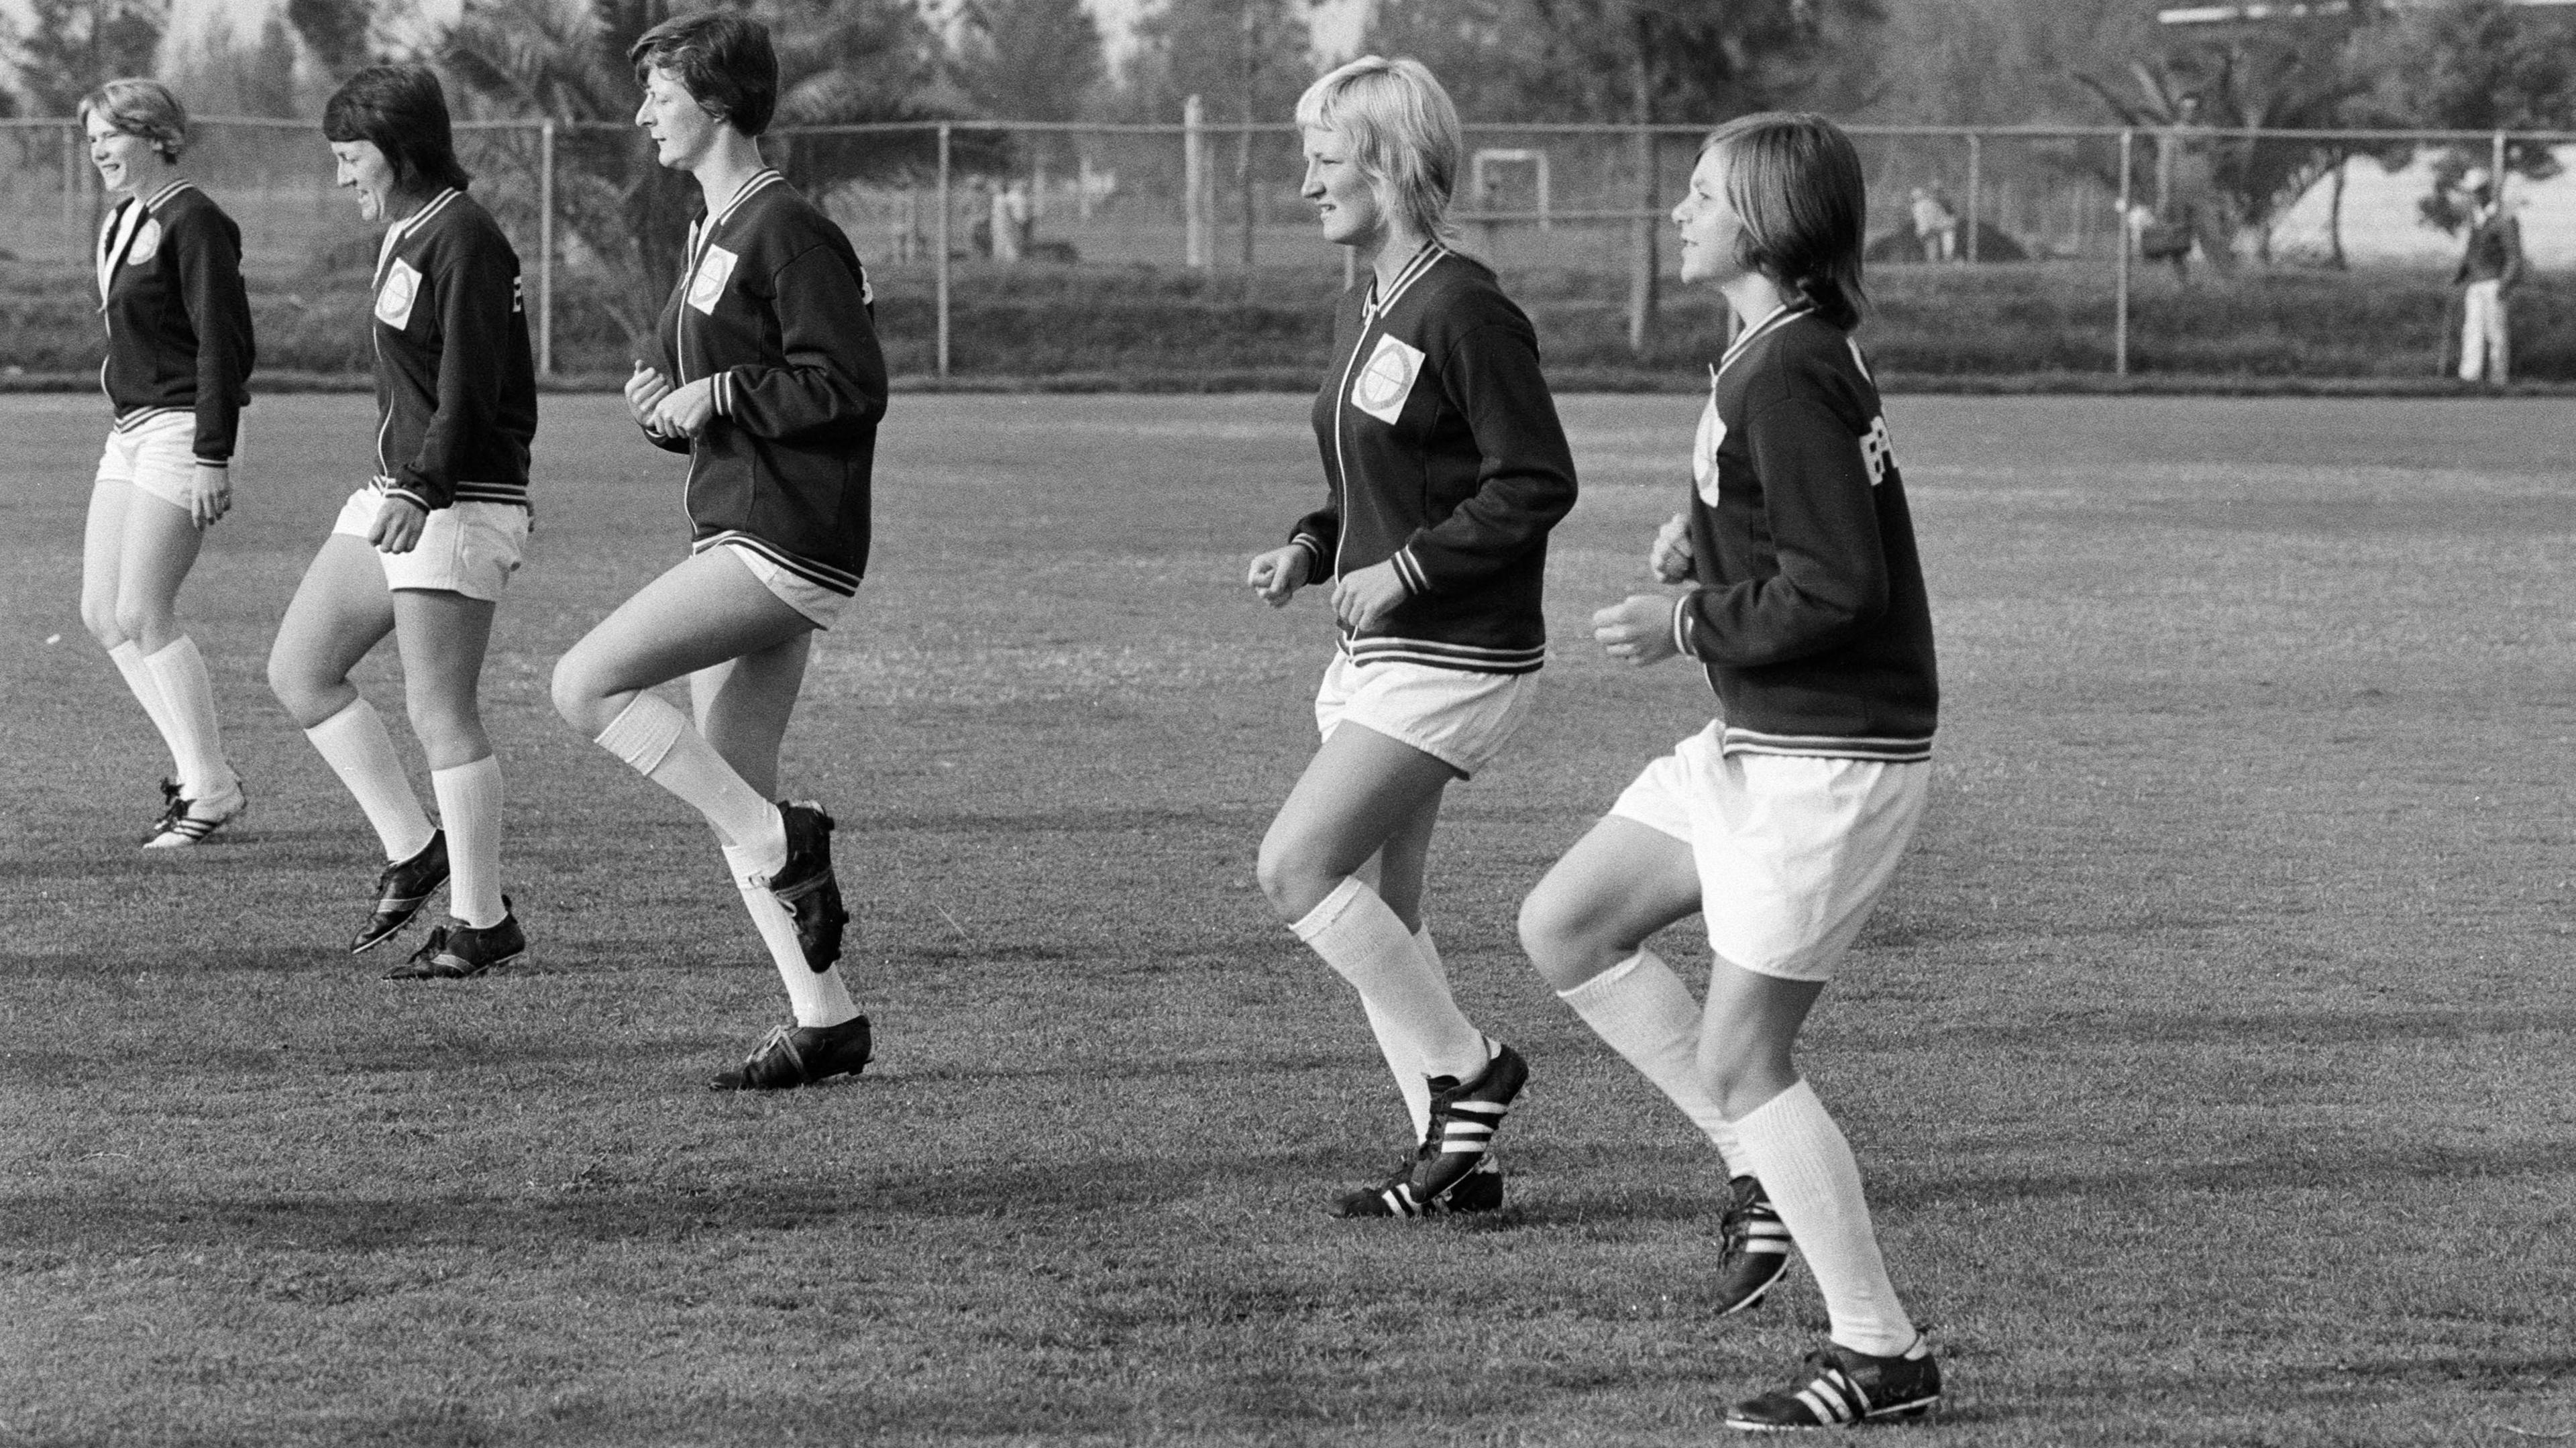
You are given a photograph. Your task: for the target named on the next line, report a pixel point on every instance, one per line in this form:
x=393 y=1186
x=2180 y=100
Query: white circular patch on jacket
x=1712 y=436
x=147 y=242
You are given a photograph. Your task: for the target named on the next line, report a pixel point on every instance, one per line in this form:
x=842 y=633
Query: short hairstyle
x=1402 y=130
x=722 y=59
x=1795 y=184
x=136 y=106
x=402 y=111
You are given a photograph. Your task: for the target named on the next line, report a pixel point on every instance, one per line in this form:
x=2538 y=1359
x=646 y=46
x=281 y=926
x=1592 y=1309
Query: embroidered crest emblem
x=147 y=242
x=394 y=298
x=708 y=282
x=1387 y=380
x=1711 y=437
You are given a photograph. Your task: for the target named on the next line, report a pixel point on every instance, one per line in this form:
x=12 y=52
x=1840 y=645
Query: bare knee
x=146 y=625
x=1569 y=937
x=584 y=695
x=1741 y=1074
x=1290 y=876
x=309 y=698
x=99 y=617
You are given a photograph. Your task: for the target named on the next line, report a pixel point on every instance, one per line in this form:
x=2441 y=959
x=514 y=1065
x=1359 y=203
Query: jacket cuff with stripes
x=1686 y=624
x=412 y=491
x=723 y=393
x=204 y=461
x=1408 y=571
x=1316 y=563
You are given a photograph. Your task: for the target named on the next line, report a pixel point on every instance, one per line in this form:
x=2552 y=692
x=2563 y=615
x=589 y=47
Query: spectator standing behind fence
x=2187 y=177
x=1936 y=226
x=178 y=364
x=2490 y=266
x=1010 y=222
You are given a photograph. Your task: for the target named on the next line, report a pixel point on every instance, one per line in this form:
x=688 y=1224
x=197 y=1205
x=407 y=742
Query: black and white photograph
x=1257 y=723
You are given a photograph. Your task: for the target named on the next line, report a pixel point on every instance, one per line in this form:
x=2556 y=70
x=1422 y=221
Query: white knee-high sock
x=1412 y=1080
x=1647 y=1015
x=128 y=658
x=196 y=739
x=1806 y=1166
x=664 y=747
x=819 y=999
x=1359 y=937
x=469 y=805
x=354 y=743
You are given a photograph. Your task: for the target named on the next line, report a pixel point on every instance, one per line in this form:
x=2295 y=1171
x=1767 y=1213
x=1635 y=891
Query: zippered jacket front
x=775 y=307
x=456 y=384
x=1807 y=606
x=178 y=317
x=1442 y=453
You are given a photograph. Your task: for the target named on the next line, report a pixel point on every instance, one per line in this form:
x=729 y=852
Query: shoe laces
x=776 y=1041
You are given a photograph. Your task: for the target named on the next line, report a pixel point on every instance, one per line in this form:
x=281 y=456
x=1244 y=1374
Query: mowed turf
x=2208 y=1063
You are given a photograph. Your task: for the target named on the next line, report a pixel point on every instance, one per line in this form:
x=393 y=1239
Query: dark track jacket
x=178 y=319
x=1441 y=452
x=456 y=385
x=1809 y=609
x=775 y=306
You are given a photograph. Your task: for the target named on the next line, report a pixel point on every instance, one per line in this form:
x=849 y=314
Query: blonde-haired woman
x=1444 y=469
x=179 y=354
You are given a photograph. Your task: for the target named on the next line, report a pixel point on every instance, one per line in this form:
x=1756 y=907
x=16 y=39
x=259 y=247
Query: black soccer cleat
x=1755 y=1253
x=1464 y=1117
x=792 y=1056
x=1843 y=1387
x=401 y=890
x=806 y=887
x=185 y=821
x=458 y=951
x=1480 y=1190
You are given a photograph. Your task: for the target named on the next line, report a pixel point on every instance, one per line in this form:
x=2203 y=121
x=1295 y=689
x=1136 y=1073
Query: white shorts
x=467 y=548
x=1460 y=718
x=157 y=455
x=804 y=595
x=1793 y=852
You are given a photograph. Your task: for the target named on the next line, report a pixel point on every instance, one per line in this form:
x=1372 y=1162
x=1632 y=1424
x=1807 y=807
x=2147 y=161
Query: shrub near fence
x=1176 y=329
x=1159 y=264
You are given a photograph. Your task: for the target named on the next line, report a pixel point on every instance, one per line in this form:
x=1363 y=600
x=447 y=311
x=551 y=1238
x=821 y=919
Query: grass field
x=2209 y=1063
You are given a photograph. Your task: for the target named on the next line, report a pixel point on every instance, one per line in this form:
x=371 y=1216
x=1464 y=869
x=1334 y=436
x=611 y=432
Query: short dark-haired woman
x=426 y=549
x=1782 y=821
x=770 y=380
x=178 y=364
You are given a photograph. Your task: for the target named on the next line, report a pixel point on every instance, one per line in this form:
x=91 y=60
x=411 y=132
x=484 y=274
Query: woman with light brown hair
x=179 y=354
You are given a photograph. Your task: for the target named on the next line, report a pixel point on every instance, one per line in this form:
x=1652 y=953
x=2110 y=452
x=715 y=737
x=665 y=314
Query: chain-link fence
x=1027 y=249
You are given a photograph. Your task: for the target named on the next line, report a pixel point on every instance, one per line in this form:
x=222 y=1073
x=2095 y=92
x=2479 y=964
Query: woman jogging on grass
x=770 y=380
x=178 y=363
x=1782 y=821
x=1444 y=468
x=425 y=550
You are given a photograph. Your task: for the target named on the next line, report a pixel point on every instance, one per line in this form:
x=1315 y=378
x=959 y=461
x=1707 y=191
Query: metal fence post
x=1641 y=245
x=73 y=241
x=2120 y=293
x=939 y=266
x=1976 y=178
x=2497 y=170
x=1194 y=184
x=546 y=248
